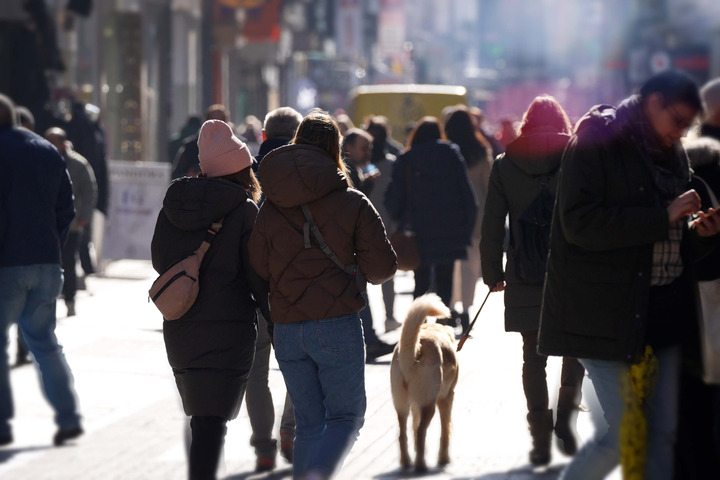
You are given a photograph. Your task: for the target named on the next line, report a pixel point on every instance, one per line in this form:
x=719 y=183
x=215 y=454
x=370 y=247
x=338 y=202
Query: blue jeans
x=323 y=363
x=599 y=456
x=28 y=296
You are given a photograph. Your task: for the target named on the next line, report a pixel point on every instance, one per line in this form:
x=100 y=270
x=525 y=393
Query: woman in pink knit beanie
x=211 y=347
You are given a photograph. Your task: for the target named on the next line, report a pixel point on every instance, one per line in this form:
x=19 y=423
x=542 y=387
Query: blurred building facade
x=149 y=64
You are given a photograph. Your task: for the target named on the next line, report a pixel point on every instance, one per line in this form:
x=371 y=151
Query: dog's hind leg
x=426 y=415
x=403 y=439
x=445 y=408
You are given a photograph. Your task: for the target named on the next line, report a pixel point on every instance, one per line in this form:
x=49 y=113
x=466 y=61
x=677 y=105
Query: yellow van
x=402 y=104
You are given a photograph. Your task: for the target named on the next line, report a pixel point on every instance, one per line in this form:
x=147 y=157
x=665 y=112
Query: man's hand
x=498 y=287
x=684 y=205
x=707 y=223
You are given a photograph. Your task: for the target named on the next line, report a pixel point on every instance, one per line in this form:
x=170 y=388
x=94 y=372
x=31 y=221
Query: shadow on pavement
x=523 y=473
x=408 y=473
x=274 y=475
x=7 y=453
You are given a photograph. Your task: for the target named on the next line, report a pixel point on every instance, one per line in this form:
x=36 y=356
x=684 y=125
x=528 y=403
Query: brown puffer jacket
x=304 y=283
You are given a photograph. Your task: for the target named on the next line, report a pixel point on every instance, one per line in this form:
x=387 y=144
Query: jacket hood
x=297 y=174
x=599 y=116
x=194 y=203
x=537 y=153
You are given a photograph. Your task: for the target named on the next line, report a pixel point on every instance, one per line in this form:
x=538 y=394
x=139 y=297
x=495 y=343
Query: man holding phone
x=620 y=280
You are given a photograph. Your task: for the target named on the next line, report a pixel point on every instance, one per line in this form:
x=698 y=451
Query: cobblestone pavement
x=135 y=428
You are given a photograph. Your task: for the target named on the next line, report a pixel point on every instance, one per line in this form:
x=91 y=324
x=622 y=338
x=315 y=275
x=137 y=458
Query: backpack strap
x=212 y=230
x=311 y=226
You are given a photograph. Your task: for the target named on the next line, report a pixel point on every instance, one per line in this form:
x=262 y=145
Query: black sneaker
x=6 y=439
x=63 y=436
x=377 y=350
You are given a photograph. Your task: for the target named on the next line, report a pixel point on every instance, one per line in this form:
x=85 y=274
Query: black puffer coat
x=211 y=348
x=516 y=179
x=442 y=203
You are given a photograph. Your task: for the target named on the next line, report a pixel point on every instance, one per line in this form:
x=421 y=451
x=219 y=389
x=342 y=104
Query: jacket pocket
x=597 y=299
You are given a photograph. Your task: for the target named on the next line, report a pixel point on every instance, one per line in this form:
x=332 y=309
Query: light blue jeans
x=323 y=363
x=28 y=296
x=600 y=455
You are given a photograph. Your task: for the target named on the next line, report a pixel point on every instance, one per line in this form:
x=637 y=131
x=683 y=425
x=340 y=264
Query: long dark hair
x=461 y=130
x=320 y=130
x=426 y=129
x=545 y=112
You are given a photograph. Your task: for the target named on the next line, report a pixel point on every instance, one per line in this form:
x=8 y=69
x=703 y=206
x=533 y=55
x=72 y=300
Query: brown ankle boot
x=565 y=424
x=541 y=427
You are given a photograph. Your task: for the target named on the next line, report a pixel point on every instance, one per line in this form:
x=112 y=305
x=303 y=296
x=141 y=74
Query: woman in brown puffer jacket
x=318 y=335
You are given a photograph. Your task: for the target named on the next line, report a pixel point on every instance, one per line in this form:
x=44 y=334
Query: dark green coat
x=515 y=180
x=607 y=218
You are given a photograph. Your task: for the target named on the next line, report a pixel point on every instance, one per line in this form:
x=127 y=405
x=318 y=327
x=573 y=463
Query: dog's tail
x=428 y=305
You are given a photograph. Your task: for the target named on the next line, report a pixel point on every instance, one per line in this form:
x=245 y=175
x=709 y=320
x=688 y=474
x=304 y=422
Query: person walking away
x=25 y=119
x=36 y=208
x=441 y=204
x=318 y=333
x=461 y=130
x=85 y=193
x=698 y=437
x=381 y=157
x=618 y=293
x=191 y=127
x=211 y=347
x=526 y=171
x=278 y=129
x=357 y=147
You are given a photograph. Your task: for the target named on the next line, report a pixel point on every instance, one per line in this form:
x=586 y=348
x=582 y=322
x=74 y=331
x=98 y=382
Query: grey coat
x=84 y=188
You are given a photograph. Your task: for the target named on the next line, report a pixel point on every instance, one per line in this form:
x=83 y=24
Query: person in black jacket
x=441 y=206
x=619 y=286
x=36 y=208
x=211 y=347
x=530 y=164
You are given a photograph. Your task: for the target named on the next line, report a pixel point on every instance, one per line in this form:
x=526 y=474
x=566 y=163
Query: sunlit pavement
x=135 y=428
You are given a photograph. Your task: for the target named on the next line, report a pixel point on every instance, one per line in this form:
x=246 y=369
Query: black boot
x=565 y=424
x=541 y=427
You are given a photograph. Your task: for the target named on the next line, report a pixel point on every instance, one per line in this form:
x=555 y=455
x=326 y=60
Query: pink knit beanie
x=220 y=152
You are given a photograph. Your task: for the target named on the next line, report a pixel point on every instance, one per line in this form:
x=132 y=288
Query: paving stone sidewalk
x=135 y=428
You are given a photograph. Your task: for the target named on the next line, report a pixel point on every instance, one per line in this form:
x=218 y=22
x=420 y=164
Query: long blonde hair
x=320 y=130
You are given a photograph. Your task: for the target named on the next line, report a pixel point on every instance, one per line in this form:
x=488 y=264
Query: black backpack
x=532 y=240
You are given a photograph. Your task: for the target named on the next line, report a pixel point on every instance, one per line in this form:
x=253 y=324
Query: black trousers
x=69 y=258
x=534 y=377
x=208 y=438
x=436 y=277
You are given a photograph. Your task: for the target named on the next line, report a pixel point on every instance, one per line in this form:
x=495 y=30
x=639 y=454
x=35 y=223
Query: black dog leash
x=466 y=334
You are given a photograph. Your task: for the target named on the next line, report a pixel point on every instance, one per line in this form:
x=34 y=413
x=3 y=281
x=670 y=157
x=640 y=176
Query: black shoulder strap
x=309 y=226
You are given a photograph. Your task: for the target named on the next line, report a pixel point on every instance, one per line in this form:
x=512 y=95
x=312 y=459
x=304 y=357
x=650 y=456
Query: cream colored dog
x=423 y=373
